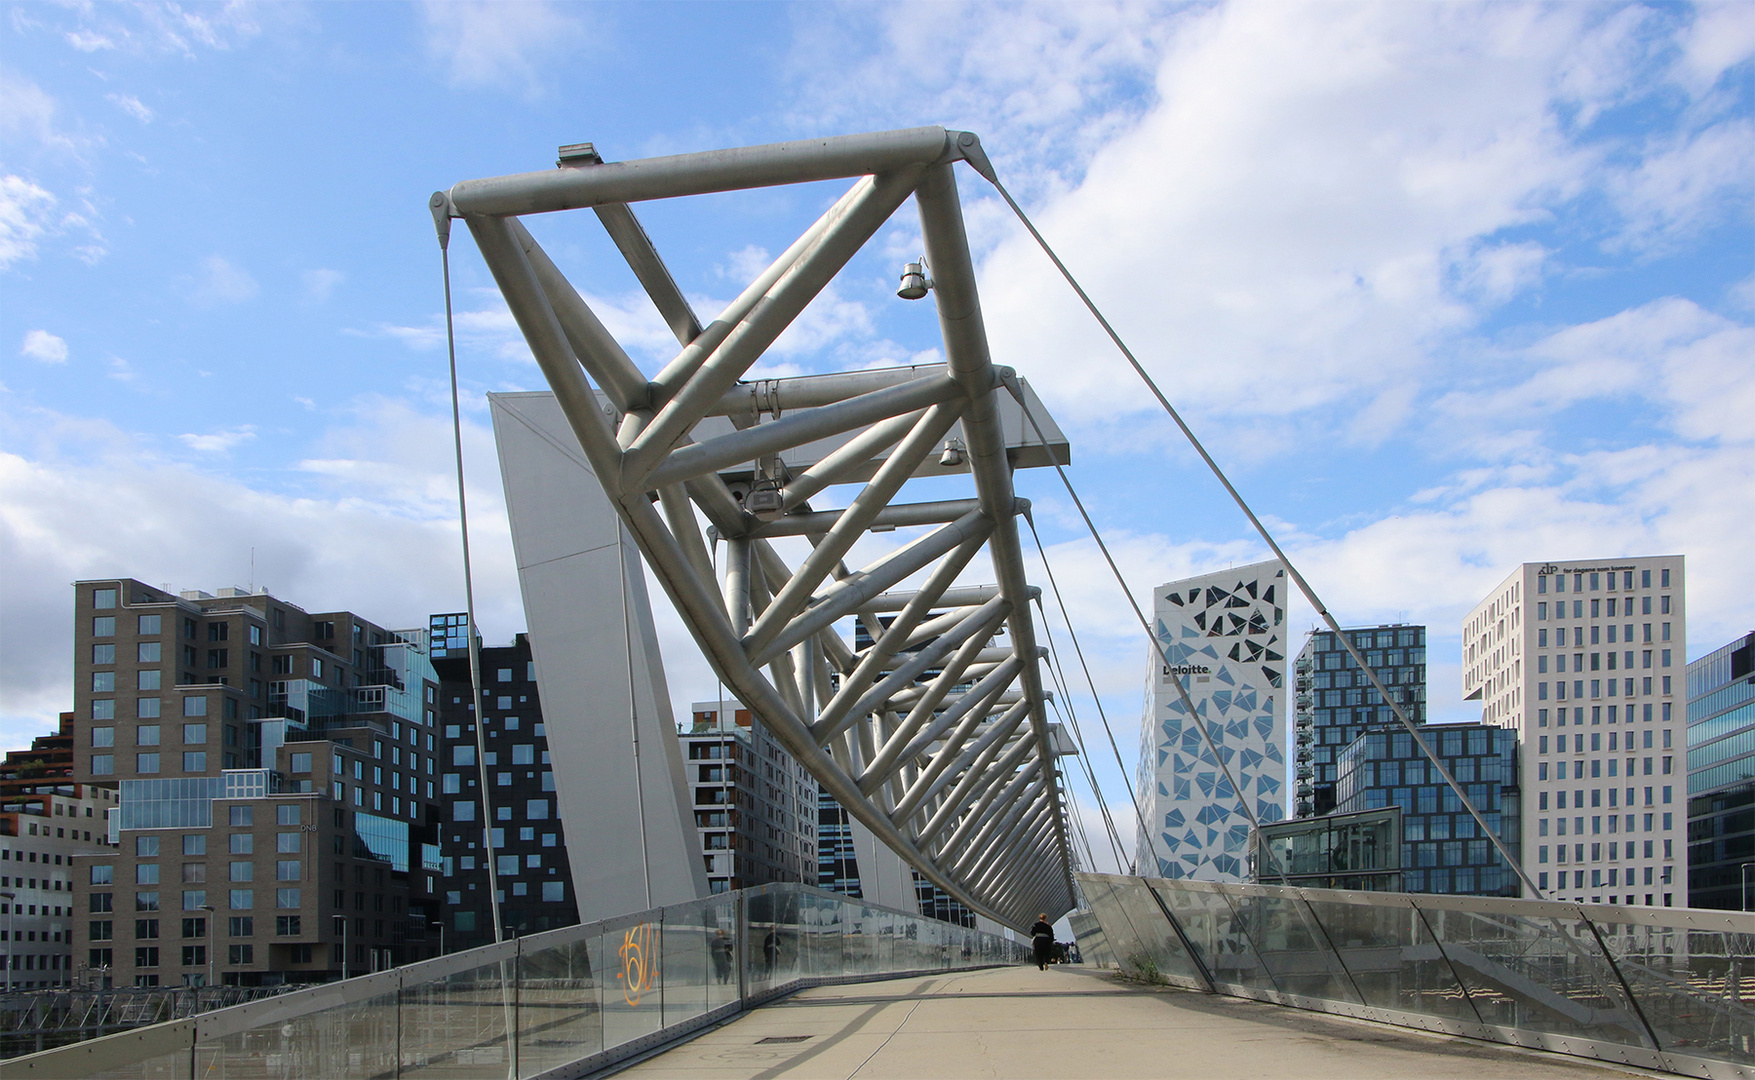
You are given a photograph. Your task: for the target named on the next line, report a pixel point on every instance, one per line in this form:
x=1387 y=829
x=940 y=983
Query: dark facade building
x=529 y=842
x=1442 y=849
x=275 y=777
x=1334 y=702
x=837 y=864
x=1721 y=778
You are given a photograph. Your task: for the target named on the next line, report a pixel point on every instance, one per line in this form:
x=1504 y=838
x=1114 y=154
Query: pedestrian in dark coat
x=1042 y=941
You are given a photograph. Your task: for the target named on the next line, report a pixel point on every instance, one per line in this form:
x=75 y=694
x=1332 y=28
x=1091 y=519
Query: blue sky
x=1447 y=287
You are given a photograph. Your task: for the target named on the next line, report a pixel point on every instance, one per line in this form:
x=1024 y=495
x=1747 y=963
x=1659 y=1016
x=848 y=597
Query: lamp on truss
x=914 y=280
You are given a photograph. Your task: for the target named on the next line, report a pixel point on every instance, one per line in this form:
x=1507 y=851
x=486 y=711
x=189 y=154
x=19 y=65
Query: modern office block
x=1443 y=850
x=1721 y=777
x=1224 y=637
x=48 y=824
x=529 y=836
x=1585 y=661
x=755 y=808
x=1334 y=701
x=275 y=772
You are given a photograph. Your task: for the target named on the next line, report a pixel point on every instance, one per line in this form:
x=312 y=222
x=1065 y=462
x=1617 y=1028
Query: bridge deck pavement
x=1074 y=1022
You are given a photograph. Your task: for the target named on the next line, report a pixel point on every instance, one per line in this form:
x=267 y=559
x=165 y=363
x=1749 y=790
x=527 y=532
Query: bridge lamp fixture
x=915 y=283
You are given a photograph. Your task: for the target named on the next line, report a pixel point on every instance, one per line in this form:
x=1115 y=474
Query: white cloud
x=44 y=346
x=131 y=105
x=1720 y=37
x=219 y=442
x=1687 y=181
x=222 y=282
x=26 y=214
x=320 y=283
x=163 y=26
x=503 y=45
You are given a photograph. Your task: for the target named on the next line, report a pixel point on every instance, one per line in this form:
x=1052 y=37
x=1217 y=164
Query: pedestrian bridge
x=1239 y=980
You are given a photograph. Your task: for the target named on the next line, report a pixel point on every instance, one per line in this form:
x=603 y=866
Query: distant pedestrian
x=1042 y=941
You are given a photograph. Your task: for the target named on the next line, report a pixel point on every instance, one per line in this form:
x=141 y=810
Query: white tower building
x=1224 y=634
x=1586 y=660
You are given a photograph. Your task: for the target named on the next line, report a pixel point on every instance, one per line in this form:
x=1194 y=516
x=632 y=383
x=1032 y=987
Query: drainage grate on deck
x=781 y=1039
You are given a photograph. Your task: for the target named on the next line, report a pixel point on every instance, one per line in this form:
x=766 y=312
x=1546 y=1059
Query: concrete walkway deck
x=1074 y=1022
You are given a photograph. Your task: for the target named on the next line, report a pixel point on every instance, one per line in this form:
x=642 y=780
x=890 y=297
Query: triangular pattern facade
x=1225 y=637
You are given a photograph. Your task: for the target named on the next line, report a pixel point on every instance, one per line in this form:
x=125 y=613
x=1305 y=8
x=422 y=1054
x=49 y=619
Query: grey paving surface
x=1073 y=1022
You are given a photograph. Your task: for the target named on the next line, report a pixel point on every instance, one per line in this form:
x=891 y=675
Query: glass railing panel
x=1534 y=965
x=1694 y=983
x=1389 y=955
x=1292 y=945
x=819 y=936
x=1093 y=943
x=455 y=1025
x=1219 y=935
x=1145 y=943
x=557 y=1008
x=630 y=990
x=686 y=962
x=351 y=1042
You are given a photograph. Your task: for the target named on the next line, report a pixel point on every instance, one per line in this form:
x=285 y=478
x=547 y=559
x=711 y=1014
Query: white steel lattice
x=933 y=732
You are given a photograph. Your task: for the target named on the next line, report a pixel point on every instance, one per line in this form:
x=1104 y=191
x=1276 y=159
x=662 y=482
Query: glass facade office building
x=1721 y=777
x=1335 y=702
x=1443 y=850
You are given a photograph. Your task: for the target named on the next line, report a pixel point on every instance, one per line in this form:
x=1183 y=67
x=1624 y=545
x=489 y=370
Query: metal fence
x=552 y=1005
x=1664 y=988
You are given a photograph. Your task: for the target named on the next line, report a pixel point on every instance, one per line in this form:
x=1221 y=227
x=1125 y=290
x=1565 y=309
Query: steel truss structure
x=934 y=735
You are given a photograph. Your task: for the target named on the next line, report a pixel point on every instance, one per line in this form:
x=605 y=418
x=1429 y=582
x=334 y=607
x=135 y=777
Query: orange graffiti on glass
x=639 y=971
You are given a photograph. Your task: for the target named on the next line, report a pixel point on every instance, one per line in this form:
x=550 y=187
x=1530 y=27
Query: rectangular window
x=286 y=870
x=103 y=736
x=103 y=764
x=146 y=763
x=103 y=654
x=243 y=899
x=287 y=814
x=103 y=626
x=536 y=809
x=103 y=598
x=462 y=811
x=103 y=710
x=195 y=844
x=241 y=817
x=149 y=652
x=194 y=899
x=194 y=761
x=301 y=763
x=241 y=926
x=287 y=899
x=194 y=705
x=243 y=871
x=147 y=679
x=240 y=954
x=103 y=682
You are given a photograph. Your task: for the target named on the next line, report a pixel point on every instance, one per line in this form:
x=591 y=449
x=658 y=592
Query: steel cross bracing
x=934 y=735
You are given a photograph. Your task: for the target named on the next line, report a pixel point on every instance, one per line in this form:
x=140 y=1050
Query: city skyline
x=1429 y=353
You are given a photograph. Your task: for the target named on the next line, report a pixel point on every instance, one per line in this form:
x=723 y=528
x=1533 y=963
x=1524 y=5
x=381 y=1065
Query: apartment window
x=146 y=956
x=255 y=634
x=243 y=899
x=286 y=870
x=243 y=817
x=242 y=843
x=146 y=763
x=218 y=631
x=147 y=679
x=103 y=682
x=524 y=754
x=103 y=736
x=146 y=873
x=194 y=955
x=146 y=735
x=287 y=842
x=554 y=892
x=103 y=710
x=103 y=764
x=194 y=705
x=241 y=926
x=301 y=763
x=194 y=844
x=1664 y=579
x=243 y=871
x=103 y=626
x=287 y=898
x=505 y=674
x=194 y=761
x=218 y=658
x=103 y=598
x=281 y=665
x=536 y=809
x=462 y=811
x=240 y=954
x=194 y=734
x=190 y=628
x=287 y=925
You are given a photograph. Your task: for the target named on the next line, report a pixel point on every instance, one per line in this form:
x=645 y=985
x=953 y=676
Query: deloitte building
x=1224 y=636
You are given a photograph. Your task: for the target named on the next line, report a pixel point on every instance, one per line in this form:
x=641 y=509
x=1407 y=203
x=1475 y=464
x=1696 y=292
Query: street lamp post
x=342 y=919
x=210 y=917
x=11 y=951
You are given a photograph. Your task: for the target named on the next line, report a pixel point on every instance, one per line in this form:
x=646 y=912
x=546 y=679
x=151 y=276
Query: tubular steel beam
x=934 y=735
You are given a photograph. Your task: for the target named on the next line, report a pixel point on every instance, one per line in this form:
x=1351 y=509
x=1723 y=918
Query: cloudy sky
x=1447 y=287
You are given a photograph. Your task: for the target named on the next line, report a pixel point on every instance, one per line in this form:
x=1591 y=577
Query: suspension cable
x=476 y=714
x=1057 y=672
x=1149 y=830
x=1066 y=691
x=1267 y=538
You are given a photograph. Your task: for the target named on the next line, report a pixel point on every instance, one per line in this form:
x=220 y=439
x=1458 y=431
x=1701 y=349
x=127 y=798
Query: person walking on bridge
x=1042 y=941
